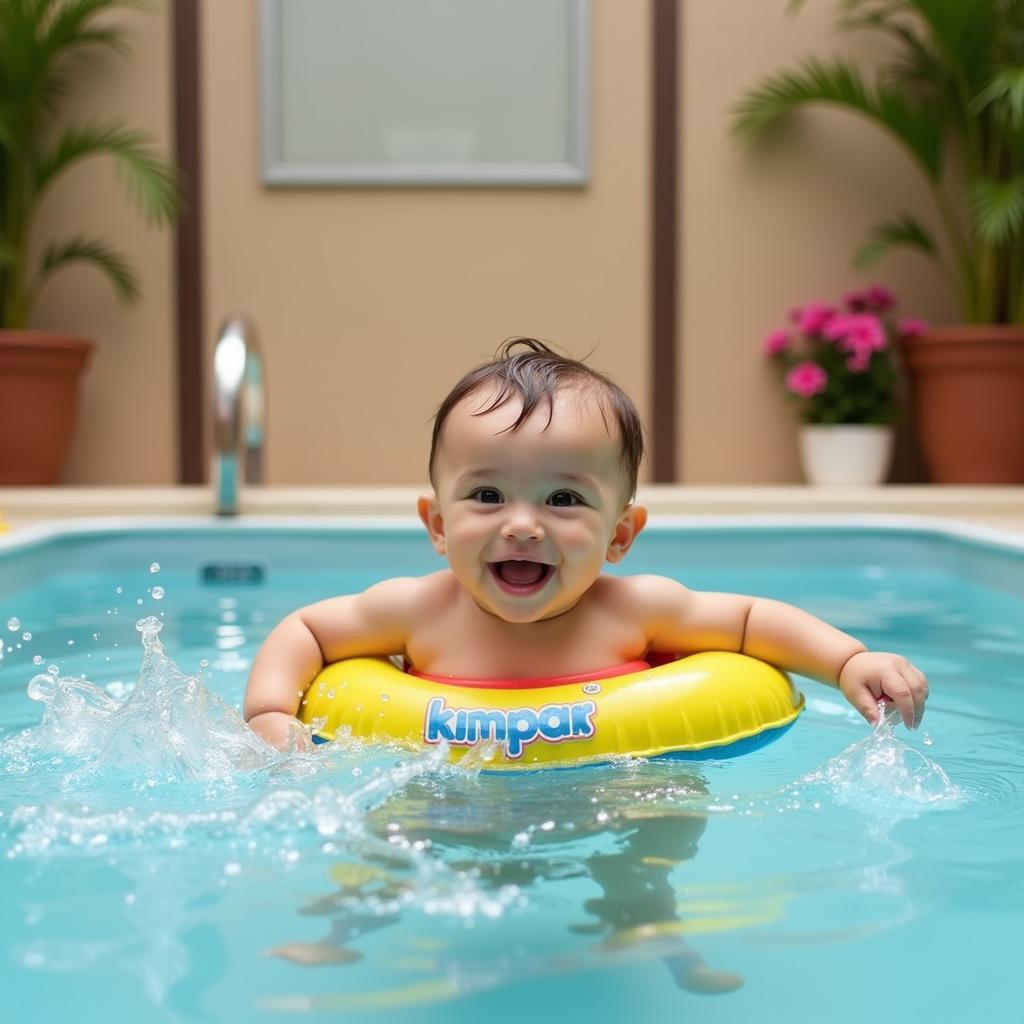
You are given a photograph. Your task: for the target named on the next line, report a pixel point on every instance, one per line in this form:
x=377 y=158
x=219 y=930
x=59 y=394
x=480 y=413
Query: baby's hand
x=871 y=675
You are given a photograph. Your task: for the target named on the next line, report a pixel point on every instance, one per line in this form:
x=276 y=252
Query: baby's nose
x=522 y=523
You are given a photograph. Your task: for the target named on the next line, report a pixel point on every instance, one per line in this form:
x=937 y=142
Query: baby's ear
x=631 y=522
x=430 y=515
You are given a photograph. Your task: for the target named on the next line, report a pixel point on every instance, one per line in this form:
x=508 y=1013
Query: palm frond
x=92 y=251
x=70 y=27
x=903 y=232
x=8 y=254
x=964 y=33
x=918 y=128
x=152 y=183
x=1005 y=94
x=997 y=208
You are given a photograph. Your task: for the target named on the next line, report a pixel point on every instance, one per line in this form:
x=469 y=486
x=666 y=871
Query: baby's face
x=528 y=517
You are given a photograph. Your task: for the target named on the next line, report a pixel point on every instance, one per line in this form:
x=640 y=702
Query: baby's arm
x=374 y=622
x=685 y=620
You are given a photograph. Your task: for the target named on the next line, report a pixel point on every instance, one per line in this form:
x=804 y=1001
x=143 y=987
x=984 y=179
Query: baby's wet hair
x=527 y=369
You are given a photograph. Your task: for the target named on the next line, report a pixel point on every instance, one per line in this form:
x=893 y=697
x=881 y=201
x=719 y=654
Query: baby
x=533 y=464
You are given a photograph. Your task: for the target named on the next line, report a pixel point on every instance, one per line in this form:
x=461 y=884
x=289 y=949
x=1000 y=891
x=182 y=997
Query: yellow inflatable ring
x=709 y=705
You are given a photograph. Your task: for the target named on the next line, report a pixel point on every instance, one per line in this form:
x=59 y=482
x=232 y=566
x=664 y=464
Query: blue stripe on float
x=744 y=746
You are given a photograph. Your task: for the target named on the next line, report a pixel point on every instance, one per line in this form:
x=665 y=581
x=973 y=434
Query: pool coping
x=993 y=506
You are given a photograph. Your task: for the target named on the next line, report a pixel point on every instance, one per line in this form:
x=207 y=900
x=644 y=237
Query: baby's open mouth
x=519 y=576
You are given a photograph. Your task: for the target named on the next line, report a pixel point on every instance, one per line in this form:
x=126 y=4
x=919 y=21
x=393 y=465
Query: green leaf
x=95 y=252
x=918 y=127
x=964 y=32
x=153 y=183
x=904 y=232
x=8 y=254
x=998 y=209
x=1005 y=93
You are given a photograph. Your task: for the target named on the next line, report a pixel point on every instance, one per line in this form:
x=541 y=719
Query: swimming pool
x=158 y=864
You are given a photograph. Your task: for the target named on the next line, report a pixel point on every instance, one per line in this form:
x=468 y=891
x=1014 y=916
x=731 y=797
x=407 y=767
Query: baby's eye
x=565 y=499
x=487 y=495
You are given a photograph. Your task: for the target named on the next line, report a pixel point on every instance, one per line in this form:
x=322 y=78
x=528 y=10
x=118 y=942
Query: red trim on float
x=536 y=684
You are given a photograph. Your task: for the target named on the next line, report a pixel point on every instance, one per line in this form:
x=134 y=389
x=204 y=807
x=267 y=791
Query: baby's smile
x=521 y=577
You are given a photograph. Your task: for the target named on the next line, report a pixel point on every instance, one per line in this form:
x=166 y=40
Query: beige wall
x=126 y=431
x=370 y=302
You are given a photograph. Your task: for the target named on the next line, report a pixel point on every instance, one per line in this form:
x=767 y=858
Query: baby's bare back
x=450 y=635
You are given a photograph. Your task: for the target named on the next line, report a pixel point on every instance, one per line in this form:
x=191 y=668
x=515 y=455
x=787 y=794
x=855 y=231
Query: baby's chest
x=470 y=647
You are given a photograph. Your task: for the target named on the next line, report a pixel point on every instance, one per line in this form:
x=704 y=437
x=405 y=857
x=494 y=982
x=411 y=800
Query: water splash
x=883 y=776
x=170 y=728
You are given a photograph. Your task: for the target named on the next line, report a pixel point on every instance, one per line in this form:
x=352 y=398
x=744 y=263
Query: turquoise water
x=159 y=864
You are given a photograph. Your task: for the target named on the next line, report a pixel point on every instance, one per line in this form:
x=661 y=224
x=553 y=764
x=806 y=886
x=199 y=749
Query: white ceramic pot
x=845 y=455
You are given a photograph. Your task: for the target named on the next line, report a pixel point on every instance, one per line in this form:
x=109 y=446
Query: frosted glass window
x=421 y=92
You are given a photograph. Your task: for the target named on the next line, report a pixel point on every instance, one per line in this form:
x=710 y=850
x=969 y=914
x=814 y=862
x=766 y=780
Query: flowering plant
x=842 y=368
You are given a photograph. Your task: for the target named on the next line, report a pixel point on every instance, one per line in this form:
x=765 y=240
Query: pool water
x=159 y=863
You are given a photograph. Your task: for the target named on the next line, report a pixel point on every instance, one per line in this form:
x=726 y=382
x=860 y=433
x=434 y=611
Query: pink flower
x=813 y=318
x=857 y=332
x=876 y=299
x=855 y=301
x=880 y=298
x=858 y=362
x=776 y=343
x=912 y=327
x=806 y=379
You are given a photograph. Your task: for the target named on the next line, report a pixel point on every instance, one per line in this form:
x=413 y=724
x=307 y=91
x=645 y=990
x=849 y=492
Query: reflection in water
x=634 y=825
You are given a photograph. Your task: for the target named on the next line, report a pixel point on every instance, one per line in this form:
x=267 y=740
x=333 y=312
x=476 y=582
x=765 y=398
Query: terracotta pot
x=39 y=374
x=968 y=391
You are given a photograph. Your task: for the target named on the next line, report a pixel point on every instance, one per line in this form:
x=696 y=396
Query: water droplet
x=26 y=635
x=53 y=670
x=138 y=600
x=384 y=698
x=42 y=688
x=154 y=567
x=13 y=624
x=37 y=659
x=158 y=593
x=204 y=663
x=71 y=643
x=927 y=740
x=119 y=590
x=149 y=627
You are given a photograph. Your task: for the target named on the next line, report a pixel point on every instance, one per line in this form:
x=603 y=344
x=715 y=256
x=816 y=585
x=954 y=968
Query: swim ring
x=708 y=705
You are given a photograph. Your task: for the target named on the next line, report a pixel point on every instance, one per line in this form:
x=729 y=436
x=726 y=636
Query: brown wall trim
x=189 y=265
x=664 y=239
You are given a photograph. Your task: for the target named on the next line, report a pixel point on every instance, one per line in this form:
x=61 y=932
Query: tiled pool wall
x=984 y=557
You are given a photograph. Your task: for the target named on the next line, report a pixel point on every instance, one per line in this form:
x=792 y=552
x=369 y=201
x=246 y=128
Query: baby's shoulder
x=642 y=593
x=416 y=594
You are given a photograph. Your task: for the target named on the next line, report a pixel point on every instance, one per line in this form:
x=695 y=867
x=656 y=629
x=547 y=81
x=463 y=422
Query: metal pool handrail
x=238 y=380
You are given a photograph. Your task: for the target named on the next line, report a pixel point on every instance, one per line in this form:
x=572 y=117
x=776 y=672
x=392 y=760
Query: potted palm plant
x=952 y=95
x=41 y=46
